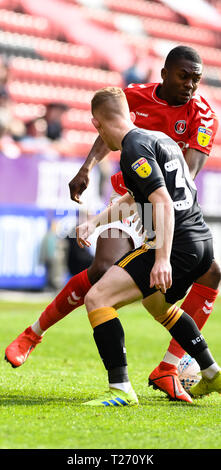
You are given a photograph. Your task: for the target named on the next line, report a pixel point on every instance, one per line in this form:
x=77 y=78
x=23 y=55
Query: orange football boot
x=18 y=351
x=167 y=381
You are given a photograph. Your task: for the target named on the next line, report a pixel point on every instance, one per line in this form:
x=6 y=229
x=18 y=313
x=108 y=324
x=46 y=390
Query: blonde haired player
x=159 y=272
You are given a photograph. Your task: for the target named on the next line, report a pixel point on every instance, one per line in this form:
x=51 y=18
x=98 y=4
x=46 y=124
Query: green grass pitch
x=40 y=402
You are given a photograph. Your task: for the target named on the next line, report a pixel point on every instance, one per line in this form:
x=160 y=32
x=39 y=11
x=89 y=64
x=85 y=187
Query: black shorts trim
x=188 y=262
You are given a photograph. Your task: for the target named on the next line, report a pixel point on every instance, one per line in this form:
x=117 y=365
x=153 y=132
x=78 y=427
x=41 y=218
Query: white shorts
x=127 y=227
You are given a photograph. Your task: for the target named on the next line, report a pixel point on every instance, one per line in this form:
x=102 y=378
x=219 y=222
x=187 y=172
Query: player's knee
x=212 y=277
x=93 y=299
x=89 y=299
x=215 y=275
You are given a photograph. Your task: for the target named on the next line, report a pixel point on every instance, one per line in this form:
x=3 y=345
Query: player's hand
x=139 y=227
x=78 y=185
x=161 y=275
x=83 y=232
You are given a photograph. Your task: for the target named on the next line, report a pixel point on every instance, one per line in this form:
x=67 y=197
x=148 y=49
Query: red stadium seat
x=209 y=55
x=77 y=119
x=80 y=142
x=142 y=8
x=63 y=74
x=25 y=24
x=106 y=45
x=158 y=25
x=48 y=48
x=180 y=32
x=213 y=72
x=9 y=4
x=69 y=70
x=66 y=52
x=42 y=94
x=211 y=93
x=27 y=112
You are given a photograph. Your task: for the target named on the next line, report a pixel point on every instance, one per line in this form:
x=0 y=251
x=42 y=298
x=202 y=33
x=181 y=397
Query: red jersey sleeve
x=118 y=184
x=203 y=126
x=132 y=96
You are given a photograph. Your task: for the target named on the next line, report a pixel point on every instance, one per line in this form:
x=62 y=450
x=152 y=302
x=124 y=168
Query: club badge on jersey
x=142 y=167
x=180 y=126
x=204 y=136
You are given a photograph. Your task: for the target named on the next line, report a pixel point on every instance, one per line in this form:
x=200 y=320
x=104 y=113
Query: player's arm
x=120 y=210
x=98 y=151
x=147 y=176
x=163 y=220
x=81 y=180
x=203 y=129
x=195 y=161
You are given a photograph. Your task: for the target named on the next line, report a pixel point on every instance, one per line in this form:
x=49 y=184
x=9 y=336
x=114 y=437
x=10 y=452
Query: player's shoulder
x=199 y=104
x=139 y=132
x=201 y=113
x=140 y=87
x=139 y=138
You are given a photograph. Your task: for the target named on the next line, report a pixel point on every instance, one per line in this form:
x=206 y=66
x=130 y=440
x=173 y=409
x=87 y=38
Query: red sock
x=199 y=305
x=71 y=297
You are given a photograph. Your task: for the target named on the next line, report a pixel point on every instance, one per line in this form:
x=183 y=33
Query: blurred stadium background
x=53 y=55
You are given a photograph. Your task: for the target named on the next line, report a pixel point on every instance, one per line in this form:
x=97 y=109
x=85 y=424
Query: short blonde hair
x=108 y=99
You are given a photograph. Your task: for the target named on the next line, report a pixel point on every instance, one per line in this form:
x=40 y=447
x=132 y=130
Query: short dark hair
x=180 y=52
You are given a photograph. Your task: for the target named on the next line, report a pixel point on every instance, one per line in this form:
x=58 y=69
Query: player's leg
x=119 y=288
x=183 y=328
x=114 y=241
x=111 y=245
x=195 y=305
x=187 y=264
x=115 y=288
x=199 y=304
x=70 y=298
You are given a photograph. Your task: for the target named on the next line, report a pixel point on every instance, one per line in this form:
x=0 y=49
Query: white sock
x=36 y=328
x=211 y=371
x=124 y=386
x=171 y=359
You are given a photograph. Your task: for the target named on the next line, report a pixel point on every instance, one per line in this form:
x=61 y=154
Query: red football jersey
x=191 y=125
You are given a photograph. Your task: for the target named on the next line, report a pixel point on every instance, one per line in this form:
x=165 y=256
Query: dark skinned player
x=175 y=108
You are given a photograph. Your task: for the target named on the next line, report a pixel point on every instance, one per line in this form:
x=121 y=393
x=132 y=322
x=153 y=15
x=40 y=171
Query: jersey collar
x=163 y=102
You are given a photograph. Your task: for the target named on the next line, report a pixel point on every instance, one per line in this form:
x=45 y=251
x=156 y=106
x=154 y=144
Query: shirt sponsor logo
x=142 y=114
x=142 y=167
x=203 y=136
x=180 y=126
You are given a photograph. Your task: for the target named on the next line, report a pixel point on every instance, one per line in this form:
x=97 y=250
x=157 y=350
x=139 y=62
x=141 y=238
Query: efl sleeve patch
x=204 y=136
x=142 y=167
